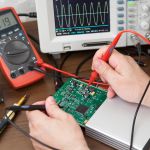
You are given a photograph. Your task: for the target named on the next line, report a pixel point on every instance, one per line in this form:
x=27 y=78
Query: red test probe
x=110 y=49
x=105 y=58
x=48 y=66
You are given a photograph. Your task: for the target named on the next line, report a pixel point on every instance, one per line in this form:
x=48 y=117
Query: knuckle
x=53 y=108
x=122 y=57
x=129 y=58
x=104 y=72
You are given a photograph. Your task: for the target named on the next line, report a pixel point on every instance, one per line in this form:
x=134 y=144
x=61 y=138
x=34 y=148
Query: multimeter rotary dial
x=17 y=52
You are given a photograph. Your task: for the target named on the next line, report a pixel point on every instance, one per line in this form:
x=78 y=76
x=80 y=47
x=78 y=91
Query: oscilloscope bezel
x=50 y=43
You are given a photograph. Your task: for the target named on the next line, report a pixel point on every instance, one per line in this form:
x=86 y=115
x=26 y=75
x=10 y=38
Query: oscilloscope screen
x=73 y=17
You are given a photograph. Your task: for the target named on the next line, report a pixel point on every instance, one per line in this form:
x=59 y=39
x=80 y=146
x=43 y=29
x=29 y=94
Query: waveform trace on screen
x=82 y=15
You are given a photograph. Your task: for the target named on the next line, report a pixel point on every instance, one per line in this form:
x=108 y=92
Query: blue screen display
x=74 y=17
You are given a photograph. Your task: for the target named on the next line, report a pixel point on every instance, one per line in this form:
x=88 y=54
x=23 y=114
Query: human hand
x=124 y=76
x=56 y=129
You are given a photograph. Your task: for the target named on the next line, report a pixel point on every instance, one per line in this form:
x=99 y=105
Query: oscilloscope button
x=131 y=10
x=132 y=27
x=120 y=8
x=131 y=16
x=120 y=22
x=120 y=2
x=131 y=21
x=120 y=15
x=120 y=28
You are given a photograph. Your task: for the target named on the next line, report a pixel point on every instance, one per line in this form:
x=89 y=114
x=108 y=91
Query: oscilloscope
x=71 y=25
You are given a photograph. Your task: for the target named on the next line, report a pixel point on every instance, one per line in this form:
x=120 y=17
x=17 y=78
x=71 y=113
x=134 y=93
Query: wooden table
x=14 y=140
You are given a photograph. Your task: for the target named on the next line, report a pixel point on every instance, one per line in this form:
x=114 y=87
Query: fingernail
x=50 y=100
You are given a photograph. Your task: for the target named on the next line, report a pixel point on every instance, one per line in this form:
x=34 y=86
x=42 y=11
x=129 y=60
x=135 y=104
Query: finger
x=53 y=110
x=119 y=62
x=36 y=117
x=103 y=79
x=99 y=54
x=39 y=103
x=116 y=60
x=104 y=70
x=110 y=93
x=132 y=62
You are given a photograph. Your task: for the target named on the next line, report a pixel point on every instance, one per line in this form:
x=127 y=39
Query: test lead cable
x=25 y=133
x=110 y=49
x=105 y=58
x=136 y=113
x=48 y=66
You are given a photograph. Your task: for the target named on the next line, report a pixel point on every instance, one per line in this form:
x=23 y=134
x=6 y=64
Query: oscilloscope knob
x=147 y=35
x=144 y=15
x=145 y=25
x=145 y=8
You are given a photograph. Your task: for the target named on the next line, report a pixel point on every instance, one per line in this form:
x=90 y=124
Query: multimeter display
x=7 y=20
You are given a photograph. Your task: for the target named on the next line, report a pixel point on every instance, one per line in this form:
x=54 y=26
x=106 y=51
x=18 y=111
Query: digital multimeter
x=16 y=51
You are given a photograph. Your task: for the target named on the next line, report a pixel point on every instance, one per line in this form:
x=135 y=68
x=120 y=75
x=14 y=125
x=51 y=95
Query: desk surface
x=14 y=140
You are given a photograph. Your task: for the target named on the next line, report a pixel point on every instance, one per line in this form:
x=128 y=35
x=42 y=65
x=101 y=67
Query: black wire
x=145 y=54
x=33 y=38
x=62 y=64
x=25 y=133
x=54 y=61
x=135 y=115
x=82 y=63
x=64 y=60
x=29 y=35
x=23 y=15
x=30 y=15
x=57 y=75
x=139 y=50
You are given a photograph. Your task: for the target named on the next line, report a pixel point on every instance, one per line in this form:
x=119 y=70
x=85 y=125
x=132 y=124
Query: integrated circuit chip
x=82 y=109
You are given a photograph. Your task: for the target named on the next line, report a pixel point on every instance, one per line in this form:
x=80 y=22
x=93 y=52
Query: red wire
x=115 y=41
x=48 y=66
x=109 y=51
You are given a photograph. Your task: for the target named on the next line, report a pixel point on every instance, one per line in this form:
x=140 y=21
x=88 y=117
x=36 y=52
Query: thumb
x=105 y=71
x=52 y=109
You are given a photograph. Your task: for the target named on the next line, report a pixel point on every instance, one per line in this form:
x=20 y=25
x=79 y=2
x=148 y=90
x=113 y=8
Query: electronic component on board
x=79 y=99
x=82 y=109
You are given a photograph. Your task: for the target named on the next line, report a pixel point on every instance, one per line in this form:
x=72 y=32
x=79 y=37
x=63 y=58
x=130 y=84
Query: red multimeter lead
x=109 y=51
